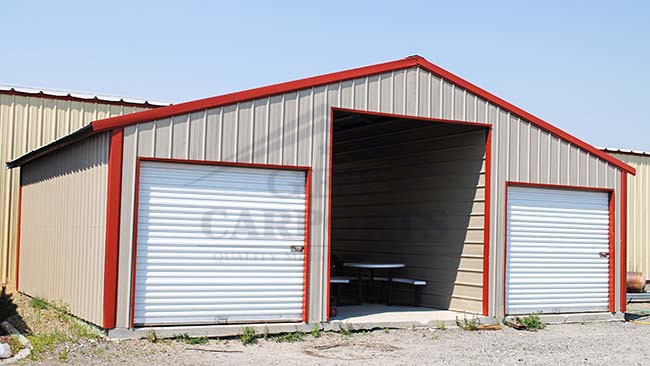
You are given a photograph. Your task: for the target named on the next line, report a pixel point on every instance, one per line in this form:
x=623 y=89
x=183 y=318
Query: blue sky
x=581 y=65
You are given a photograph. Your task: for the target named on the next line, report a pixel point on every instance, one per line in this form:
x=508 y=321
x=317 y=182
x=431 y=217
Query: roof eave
x=66 y=140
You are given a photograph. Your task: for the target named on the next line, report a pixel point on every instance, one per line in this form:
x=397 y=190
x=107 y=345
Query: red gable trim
x=251 y=94
x=523 y=114
x=411 y=61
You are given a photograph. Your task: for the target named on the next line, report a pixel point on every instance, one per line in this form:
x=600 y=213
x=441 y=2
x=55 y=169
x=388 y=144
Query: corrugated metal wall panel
x=638 y=213
x=392 y=92
x=63 y=227
x=28 y=123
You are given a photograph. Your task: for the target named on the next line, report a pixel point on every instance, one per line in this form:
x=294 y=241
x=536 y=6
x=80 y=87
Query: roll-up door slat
x=215 y=244
x=554 y=241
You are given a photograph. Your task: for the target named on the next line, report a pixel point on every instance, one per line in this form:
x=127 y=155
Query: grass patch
x=290 y=337
x=248 y=336
x=465 y=324
x=531 y=322
x=63 y=355
x=43 y=343
x=315 y=331
x=346 y=330
x=38 y=303
x=152 y=336
x=52 y=326
x=191 y=340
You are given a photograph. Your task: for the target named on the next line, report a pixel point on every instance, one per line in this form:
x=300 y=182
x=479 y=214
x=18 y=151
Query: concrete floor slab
x=370 y=316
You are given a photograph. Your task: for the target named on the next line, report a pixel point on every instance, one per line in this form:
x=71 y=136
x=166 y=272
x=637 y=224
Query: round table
x=372 y=266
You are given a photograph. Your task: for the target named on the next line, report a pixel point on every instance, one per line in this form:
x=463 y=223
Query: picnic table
x=372 y=267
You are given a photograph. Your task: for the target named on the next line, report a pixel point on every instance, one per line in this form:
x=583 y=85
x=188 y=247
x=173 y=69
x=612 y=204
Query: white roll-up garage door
x=219 y=244
x=557 y=247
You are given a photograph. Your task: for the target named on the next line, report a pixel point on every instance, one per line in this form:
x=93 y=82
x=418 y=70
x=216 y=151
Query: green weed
x=248 y=336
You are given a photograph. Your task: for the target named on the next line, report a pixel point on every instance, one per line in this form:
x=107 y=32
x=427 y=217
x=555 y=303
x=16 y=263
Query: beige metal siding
x=521 y=152
x=63 y=227
x=27 y=123
x=415 y=197
x=638 y=213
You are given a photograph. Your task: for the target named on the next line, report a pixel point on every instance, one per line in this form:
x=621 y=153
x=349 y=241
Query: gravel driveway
x=558 y=345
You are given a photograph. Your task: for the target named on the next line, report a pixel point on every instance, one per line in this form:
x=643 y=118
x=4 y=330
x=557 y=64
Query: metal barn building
x=29 y=119
x=638 y=209
x=210 y=214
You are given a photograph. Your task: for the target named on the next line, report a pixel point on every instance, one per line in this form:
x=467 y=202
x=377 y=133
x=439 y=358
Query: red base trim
x=113 y=204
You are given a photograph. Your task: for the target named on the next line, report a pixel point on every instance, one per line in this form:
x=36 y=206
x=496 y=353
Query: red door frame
x=306 y=266
x=488 y=179
x=612 y=226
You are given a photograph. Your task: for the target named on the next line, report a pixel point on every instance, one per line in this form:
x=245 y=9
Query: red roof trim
x=523 y=114
x=411 y=61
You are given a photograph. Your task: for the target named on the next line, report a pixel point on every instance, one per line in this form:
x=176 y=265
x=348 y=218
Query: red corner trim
x=486 y=222
x=623 y=250
x=20 y=209
x=328 y=252
x=612 y=254
x=113 y=206
x=412 y=61
x=306 y=266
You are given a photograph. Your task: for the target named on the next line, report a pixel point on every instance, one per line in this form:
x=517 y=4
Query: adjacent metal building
x=29 y=119
x=638 y=209
x=227 y=209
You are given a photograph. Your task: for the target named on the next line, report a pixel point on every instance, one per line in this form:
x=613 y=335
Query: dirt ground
x=63 y=341
x=574 y=344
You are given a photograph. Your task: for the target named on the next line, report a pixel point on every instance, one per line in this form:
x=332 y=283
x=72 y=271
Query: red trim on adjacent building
x=112 y=245
x=96 y=100
x=486 y=222
x=623 y=249
x=20 y=209
x=612 y=248
x=306 y=266
x=408 y=62
x=612 y=253
x=305 y=278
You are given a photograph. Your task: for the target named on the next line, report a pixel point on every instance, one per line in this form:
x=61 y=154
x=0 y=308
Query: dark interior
x=411 y=191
